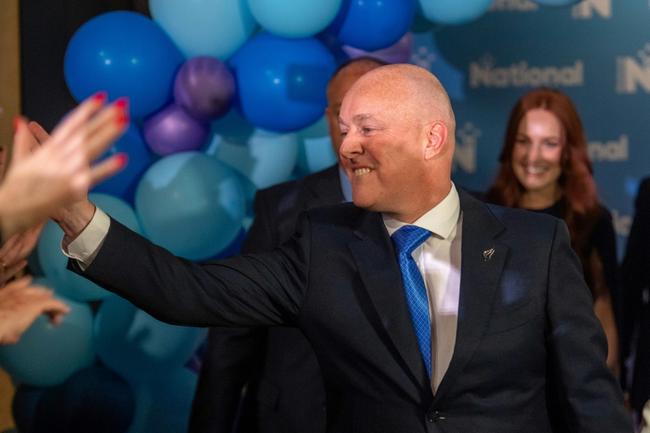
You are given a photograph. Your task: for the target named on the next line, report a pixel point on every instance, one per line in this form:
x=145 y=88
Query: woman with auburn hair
x=545 y=167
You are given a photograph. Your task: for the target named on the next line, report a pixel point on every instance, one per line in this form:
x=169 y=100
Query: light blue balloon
x=265 y=159
x=454 y=11
x=315 y=152
x=205 y=27
x=125 y=54
x=191 y=204
x=47 y=355
x=294 y=19
x=54 y=262
x=556 y=2
x=164 y=404
x=139 y=347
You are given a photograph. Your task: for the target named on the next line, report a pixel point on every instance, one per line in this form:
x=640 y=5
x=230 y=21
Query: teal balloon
x=205 y=27
x=454 y=11
x=164 y=404
x=47 y=355
x=315 y=152
x=139 y=347
x=266 y=158
x=190 y=204
x=294 y=19
x=54 y=263
x=125 y=54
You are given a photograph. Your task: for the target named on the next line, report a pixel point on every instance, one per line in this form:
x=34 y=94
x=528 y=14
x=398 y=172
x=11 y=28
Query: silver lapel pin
x=487 y=254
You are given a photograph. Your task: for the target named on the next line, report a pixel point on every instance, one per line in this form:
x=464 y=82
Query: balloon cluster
x=226 y=96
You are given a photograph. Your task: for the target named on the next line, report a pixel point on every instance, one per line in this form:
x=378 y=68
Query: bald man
x=428 y=311
x=285 y=392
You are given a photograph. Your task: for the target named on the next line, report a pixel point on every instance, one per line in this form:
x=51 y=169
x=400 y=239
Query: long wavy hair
x=579 y=199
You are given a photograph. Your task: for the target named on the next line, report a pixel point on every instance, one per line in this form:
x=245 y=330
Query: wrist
x=74 y=219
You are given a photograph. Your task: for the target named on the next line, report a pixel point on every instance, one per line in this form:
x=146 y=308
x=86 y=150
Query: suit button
x=434 y=416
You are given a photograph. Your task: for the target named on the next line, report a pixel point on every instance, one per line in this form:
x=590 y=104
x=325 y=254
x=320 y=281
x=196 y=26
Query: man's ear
x=436 y=139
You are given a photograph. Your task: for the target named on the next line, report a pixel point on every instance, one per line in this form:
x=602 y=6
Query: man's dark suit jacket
x=285 y=387
x=525 y=319
x=636 y=290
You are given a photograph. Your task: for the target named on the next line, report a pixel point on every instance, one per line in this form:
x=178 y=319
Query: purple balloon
x=172 y=130
x=204 y=87
x=399 y=52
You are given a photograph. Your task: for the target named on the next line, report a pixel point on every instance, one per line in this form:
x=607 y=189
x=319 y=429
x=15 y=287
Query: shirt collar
x=440 y=220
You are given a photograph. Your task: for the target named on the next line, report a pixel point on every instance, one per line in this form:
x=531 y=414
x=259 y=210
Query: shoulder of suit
x=338 y=214
x=283 y=189
x=513 y=218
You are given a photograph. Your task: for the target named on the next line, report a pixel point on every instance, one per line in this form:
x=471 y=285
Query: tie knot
x=408 y=238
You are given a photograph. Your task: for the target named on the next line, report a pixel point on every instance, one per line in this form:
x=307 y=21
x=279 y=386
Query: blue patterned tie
x=406 y=240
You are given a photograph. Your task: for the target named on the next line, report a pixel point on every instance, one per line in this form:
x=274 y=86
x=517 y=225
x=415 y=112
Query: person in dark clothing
x=545 y=167
x=635 y=272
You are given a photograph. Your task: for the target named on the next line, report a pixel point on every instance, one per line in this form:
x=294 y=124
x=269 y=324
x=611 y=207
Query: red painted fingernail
x=18 y=121
x=122 y=103
x=100 y=97
x=122 y=159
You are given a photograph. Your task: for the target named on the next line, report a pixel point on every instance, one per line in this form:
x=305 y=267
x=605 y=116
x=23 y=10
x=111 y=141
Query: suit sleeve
x=233 y=356
x=263 y=289
x=578 y=349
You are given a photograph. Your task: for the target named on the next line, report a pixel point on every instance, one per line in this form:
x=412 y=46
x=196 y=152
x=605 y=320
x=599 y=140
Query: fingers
x=107 y=168
x=11 y=270
x=38 y=131
x=22 y=143
x=106 y=127
x=78 y=117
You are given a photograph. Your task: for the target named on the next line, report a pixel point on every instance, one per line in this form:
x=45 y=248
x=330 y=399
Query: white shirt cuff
x=85 y=247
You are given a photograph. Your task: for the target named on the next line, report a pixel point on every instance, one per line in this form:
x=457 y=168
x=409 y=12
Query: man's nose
x=350 y=147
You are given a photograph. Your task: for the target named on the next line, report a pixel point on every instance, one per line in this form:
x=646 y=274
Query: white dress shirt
x=438 y=259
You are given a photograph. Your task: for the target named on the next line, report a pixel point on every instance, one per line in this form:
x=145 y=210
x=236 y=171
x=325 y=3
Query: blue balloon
x=205 y=27
x=164 y=404
x=265 y=159
x=281 y=83
x=54 y=263
x=124 y=183
x=454 y=11
x=373 y=24
x=125 y=54
x=191 y=204
x=294 y=19
x=47 y=355
x=139 y=347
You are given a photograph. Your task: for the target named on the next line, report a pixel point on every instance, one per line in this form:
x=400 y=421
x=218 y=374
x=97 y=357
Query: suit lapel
x=481 y=265
x=375 y=259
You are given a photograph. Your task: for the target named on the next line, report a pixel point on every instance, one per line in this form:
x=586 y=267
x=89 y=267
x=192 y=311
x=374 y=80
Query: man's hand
x=59 y=172
x=21 y=304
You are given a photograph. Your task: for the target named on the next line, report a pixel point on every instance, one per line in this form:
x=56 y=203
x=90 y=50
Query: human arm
x=577 y=347
x=21 y=303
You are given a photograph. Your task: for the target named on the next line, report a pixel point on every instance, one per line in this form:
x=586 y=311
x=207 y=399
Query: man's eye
x=366 y=130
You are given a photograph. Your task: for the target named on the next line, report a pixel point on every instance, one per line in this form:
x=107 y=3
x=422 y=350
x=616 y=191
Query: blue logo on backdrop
x=487 y=64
